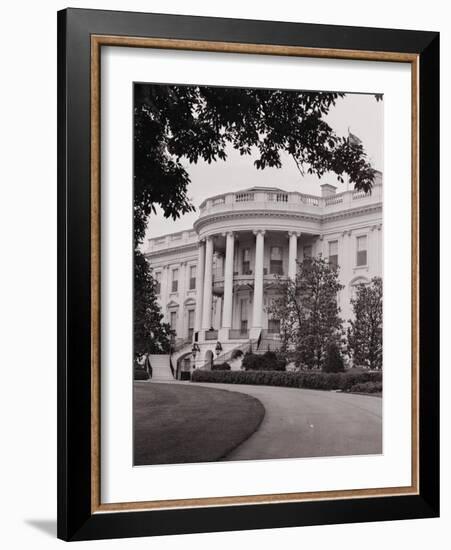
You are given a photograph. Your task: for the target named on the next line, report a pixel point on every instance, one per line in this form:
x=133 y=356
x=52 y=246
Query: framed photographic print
x=248 y=274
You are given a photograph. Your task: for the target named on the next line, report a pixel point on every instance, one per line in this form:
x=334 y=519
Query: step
x=161 y=368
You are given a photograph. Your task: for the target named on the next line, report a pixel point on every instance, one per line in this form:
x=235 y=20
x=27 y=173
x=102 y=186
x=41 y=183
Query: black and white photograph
x=258 y=273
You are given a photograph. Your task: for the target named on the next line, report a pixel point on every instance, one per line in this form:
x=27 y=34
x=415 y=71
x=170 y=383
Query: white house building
x=215 y=281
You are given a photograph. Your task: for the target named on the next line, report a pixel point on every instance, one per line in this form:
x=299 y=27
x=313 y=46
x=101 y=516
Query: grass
x=175 y=423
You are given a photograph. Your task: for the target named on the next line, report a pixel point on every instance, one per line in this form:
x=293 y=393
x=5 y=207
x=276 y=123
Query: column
x=258 y=284
x=164 y=292
x=199 y=286
x=208 y=283
x=226 y=324
x=292 y=254
x=181 y=333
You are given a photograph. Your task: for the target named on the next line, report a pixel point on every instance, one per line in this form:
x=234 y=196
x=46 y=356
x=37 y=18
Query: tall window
x=333 y=253
x=274 y=326
x=308 y=251
x=158 y=282
x=192 y=277
x=190 y=323
x=246 y=261
x=276 y=260
x=175 y=280
x=173 y=320
x=243 y=315
x=362 y=250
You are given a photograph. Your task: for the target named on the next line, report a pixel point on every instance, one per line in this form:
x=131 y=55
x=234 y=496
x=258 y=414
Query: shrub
x=140 y=374
x=334 y=359
x=269 y=361
x=221 y=366
x=314 y=380
x=367 y=387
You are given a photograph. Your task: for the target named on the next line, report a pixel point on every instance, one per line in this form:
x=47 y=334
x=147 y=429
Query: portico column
x=258 y=284
x=292 y=254
x=228 y=286
x=208 y=283
x=199 y=286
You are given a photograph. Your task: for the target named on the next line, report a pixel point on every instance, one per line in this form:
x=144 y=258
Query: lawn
x=177 y=423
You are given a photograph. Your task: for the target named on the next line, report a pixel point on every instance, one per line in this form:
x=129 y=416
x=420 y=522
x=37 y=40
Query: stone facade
x=215 y=281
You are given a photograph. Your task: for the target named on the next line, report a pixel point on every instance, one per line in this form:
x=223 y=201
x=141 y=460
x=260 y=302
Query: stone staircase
x=161 y=368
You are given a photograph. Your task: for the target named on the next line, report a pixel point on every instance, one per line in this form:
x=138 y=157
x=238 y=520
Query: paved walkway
x=305 y=423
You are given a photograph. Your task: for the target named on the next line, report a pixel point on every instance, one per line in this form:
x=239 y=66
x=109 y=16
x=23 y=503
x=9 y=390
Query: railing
x=278 y=197
x=211 y=335
x=282 y=199
x=244 y=348
x=334 y=199
x=179 y=344
x=244 y=197
x=309 y=199
x=238 y=334
x=356 y=195
x=172 y=367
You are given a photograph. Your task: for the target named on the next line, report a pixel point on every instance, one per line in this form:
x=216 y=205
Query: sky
x=360 y=113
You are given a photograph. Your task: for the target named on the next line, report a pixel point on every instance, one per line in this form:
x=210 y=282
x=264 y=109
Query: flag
x=353 y=139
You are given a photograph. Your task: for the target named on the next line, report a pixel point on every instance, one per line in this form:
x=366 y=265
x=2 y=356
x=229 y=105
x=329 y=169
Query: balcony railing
x=292 y=200
x=238 y=334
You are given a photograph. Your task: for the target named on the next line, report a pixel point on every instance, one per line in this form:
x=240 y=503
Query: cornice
x=286 y=214
x=176 y=249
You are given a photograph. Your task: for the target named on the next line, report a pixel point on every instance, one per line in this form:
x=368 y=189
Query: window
x=274 y=326
x=173 y=320
x=361 y=250
x=192 y=277
x=333 y=253
x=243 y=315
x=158 y=282
x=276 y=260
x=190 y=323
x=246 y=261
x=175 y=280
x=308 y=251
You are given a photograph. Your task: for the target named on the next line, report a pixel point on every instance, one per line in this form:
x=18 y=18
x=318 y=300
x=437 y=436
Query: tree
x=150 y=334
x=308 y=312
x=334 y=359
x=176 y=124
x=187 y=123
x=365 y=329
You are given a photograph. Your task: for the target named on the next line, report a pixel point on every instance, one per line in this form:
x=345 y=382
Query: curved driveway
x=306 y=423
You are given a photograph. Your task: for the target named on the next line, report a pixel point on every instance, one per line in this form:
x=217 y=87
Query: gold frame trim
x=97 y=41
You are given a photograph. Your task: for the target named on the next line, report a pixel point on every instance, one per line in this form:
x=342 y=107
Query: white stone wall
x=340 y=218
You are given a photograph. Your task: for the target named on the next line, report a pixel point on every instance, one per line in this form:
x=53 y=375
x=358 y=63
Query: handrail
x=246 y=346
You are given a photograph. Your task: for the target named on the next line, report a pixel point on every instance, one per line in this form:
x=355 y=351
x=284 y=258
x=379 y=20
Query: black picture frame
x=76 y=520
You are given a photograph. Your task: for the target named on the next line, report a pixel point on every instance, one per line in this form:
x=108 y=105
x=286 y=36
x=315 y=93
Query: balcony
x=238 y=334
x=244 y=281
x=271 y=199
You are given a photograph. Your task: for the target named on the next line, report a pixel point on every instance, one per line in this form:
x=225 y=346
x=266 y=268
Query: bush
x=315 y=380
x=334 y=360
x=367 y=387
x=222 y=366
x=140 y=374
x=269 y=361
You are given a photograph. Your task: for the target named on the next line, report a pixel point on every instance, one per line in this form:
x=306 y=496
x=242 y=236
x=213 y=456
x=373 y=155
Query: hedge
x=221 y=366
x=269 y=361
x=367 y=387
x=140 y=374
x=310 y=380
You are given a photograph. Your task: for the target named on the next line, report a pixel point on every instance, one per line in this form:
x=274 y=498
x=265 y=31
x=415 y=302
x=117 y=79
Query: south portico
x=214 y=282
x=235 y=276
